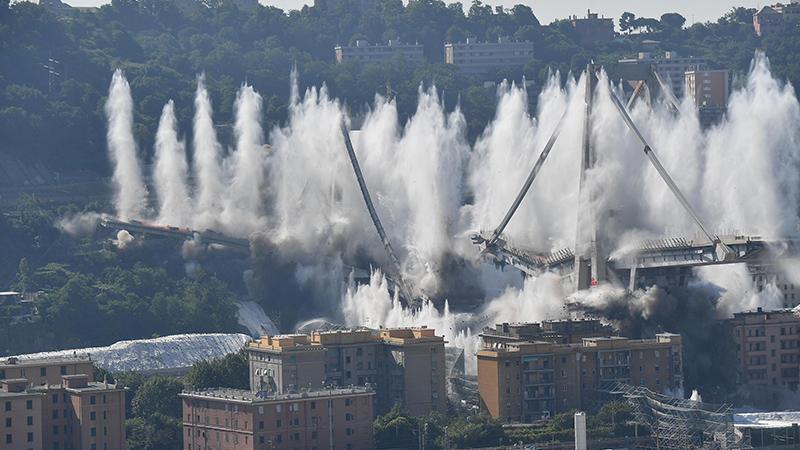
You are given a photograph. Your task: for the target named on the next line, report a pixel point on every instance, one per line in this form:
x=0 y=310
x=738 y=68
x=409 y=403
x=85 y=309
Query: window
x=8 y=422
x=30 y=420
x=55 y=430
x=55 y=398
x=29 y=404
x=92 y=415
x=43 y=371
x=9 y=439
x=30 y=437
x=313 y=405
x=8 y=406
x=92 y=400
x=55 y=414
x=278 y=423
x=63 y=370
x=94 y=431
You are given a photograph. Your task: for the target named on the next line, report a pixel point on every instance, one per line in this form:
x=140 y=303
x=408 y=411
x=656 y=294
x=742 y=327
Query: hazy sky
x=547 y=10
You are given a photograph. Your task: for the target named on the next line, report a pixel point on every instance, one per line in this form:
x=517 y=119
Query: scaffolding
x=675 y=423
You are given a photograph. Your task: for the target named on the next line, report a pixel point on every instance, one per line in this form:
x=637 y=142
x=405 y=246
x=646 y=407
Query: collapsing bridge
x=664 y=261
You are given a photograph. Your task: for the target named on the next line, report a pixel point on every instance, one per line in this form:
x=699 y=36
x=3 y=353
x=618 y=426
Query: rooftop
x=52 y=361
x=245 y=396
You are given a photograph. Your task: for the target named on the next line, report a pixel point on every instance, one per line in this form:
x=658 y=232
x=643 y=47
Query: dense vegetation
x=163 y=45
x=396 y=429
x=90 y=295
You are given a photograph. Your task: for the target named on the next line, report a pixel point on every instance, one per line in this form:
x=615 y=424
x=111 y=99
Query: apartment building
x=527 y=381
x=772 y=277
x=776 y=17
x=708 y=90
x=72 y=413
x=671 y=67
x=387 y=360
x=767 y=353
x=555 y=331
x=228 y=419
x=475 y=58
x=20 y=416
x=593 y=29
x=365 y=53
x=45 y=371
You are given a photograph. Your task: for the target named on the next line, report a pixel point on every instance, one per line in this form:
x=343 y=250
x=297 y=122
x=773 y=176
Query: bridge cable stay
x=362 y=184
x=673 y=101
x=648 y=150
x=529 y=181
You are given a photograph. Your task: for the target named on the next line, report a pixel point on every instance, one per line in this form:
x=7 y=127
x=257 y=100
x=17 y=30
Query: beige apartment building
x=365 y=53
x=767 y=353
x=229 y=419
x=59 y=412
x=475 y=58
x=526 y=381
x=388 y=360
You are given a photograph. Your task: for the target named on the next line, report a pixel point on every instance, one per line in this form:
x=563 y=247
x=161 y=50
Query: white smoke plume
x=740 y=175
x=209 y=187
x=80 y=224
x=129 y=190
x=243 y=207
x=170 y=171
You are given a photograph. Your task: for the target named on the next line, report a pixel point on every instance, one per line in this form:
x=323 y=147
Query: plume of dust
x=129 y=190
x=170 y=171
x=210 y=189
x=80 y=224
x=124 y=239
x=243 y=205
x=372 y=305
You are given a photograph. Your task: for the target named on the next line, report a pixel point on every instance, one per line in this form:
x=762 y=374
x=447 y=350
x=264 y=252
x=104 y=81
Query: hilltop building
x=671 y=67
x=314 y=419
x=482 y=58
x=389 y=361
x=776 y=17
x=526 y=381
x=52 y=404
x=365 y=53
x=592 y=29
x=767 y=354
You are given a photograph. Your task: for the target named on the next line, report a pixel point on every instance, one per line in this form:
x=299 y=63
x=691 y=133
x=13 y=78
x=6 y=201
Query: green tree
x=158 y=395
x=231 y=371
x=672 y=21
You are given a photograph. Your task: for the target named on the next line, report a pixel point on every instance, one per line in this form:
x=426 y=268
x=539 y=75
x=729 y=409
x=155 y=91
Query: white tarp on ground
x=780 y=419
x=159 y=354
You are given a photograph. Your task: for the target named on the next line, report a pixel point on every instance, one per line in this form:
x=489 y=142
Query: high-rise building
x=482 y=58
x=59 y=410
x=365 y=53
x=526 y=381
x=671 y=67
x=767 y=354
x=309 y=419
x=776 y=17
x=388 y=360
x=592 y=29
